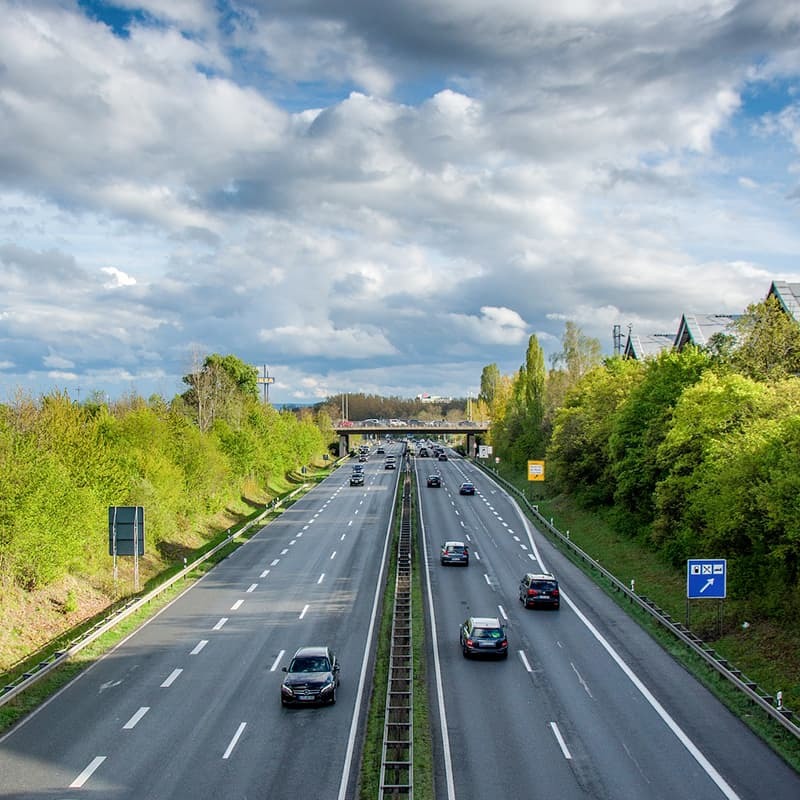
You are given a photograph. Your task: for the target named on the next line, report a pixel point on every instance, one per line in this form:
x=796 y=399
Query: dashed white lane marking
x=349 y=523
x=237 y=605
x=486 y=577
x=275 y=561
x=321 y=578
x=87 y=773
x=131 y=723
x=252 y=588
x=476 y=554
x=277 y=661
x=173 y=676
x=264 y=574
x=292 y=542
x=284 y=551
x=198 y=647
x=303 y=612
x=222 y=621
x=531 y=556
x=503 y=613
x=239 y=732
x=300 y=533
x=333 y=555
x=561 y=743
x=341 y=538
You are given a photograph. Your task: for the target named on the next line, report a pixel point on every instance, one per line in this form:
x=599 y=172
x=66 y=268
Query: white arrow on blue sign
x=706 y=578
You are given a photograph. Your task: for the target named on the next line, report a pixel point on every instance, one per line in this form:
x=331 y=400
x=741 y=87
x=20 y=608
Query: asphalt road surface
x=586 y=705
x=189 y=706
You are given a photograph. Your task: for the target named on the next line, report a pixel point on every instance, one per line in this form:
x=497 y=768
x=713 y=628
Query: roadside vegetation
x=198 y=464
x=690 y=454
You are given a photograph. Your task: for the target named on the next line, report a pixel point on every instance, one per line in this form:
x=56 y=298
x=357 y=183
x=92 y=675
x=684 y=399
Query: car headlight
x=286 y=690
x=327 y=687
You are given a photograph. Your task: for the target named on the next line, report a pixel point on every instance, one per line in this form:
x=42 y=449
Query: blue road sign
x=706 y=578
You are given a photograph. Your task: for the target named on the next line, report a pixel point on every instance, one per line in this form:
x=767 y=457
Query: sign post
x=126 y=536
x=706 y=579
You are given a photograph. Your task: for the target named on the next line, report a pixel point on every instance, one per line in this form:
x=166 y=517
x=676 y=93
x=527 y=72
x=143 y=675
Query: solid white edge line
x=524 y=659
x=277 y=661
x=561 y=743
x=694 y=751
x=87 y=773
x=235 y=739
x=131 y=723
x=198 y=647
x=437 y=667
x=351 y=739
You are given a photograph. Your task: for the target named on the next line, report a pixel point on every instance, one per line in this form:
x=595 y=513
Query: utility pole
x=266 y=379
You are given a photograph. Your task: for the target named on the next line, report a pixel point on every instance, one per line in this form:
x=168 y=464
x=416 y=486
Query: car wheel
x=333 y=697
x=465 y=651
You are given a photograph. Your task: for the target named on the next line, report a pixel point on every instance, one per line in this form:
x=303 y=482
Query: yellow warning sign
x=536 y=470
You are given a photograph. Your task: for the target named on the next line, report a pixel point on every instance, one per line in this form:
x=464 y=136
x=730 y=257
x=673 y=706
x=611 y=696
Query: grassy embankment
x=766 y=651
x=34 y=625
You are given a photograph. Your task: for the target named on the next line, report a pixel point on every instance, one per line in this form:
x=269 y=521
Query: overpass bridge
x=464 y=428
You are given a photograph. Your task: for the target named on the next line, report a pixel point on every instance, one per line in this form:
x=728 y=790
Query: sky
x=381 y=197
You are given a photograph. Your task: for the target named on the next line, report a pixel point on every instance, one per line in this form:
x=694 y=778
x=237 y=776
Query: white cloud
x=118 y=278
x=345 y=190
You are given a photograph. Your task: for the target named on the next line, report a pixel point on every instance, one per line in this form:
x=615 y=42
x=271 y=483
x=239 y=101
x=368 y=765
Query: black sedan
x=311 y=677
x=434 y=480
x=466 y=488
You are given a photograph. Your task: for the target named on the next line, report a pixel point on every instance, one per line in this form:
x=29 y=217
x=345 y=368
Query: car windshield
x=487 y=633
x=310 y=664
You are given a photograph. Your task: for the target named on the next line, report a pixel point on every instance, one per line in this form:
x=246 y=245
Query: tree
x=218 y=388
x=490 y=378
x=639 y=429
x=768 y=342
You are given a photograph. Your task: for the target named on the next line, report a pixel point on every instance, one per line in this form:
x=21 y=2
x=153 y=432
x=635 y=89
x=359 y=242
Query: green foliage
x=578 y=458
x=490 y=378
x=768 y=342
x=640 y=427
x=62 y=465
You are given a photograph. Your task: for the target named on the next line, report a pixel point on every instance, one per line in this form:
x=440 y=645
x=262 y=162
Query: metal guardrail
x=397 y=757
x=772 y=706
x=27 y=679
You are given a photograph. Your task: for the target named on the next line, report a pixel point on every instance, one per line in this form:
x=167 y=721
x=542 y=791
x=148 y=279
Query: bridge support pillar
x=471 y=445
x=344 y=445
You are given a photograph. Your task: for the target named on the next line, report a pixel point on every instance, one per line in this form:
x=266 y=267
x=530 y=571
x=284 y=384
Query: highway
x=586 y=705
x=189 y=706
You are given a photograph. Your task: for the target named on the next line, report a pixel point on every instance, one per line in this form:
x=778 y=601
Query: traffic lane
x=494 y=721
x=590 y=731
x=740 y=756
x=79 y=711
x=604 y=720
x=722 y=739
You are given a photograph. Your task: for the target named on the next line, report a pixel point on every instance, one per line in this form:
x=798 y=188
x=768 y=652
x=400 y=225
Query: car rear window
x=487 y=633
x=458 y=549
x=547 y=586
